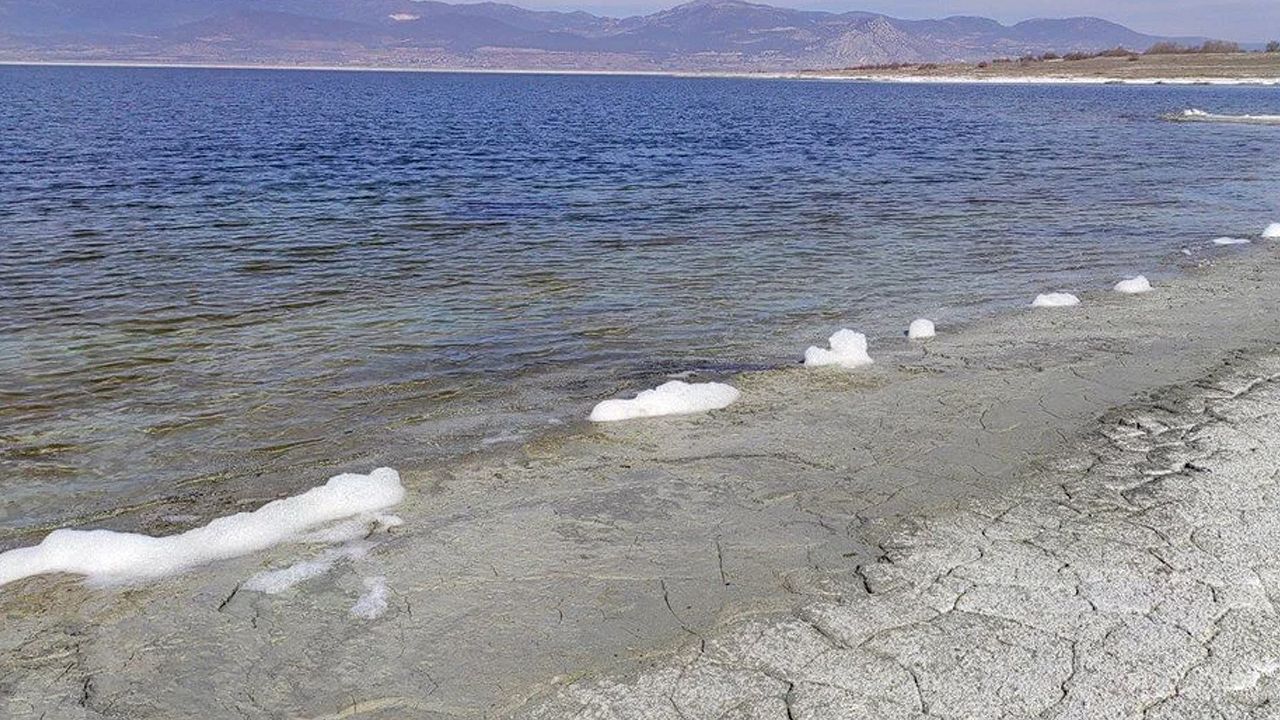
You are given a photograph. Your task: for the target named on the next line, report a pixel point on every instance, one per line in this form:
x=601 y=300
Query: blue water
x=217 y=278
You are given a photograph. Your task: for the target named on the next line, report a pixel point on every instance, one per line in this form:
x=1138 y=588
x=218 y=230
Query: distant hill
x=699 y=35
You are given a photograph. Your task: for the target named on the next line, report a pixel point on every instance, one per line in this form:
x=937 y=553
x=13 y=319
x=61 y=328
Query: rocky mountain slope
x=703 y=34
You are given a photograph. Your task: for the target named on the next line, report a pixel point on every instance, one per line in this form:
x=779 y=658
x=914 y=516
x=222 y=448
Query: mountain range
x=698 y=35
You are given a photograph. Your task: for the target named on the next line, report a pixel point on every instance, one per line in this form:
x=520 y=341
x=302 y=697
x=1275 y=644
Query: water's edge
x=598 y=549
x=195 y=502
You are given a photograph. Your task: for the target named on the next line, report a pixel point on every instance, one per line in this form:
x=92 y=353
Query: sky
x=1242 y=20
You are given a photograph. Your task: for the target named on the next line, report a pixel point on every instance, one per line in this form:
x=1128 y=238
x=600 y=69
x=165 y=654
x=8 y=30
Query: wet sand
x=1064 y=511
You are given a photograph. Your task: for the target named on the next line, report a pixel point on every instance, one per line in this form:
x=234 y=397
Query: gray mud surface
x=1060 y=513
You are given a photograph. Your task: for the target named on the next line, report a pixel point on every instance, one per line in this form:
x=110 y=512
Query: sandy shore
x=1060 y=511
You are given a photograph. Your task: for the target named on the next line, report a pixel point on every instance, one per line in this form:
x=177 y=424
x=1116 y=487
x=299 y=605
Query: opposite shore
x=1186 y=69
x=1119 y=68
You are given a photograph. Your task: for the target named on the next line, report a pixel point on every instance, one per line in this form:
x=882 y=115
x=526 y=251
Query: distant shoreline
x=363 y=68
x=1192 y=68
x=957 y=74
x=1042 y=80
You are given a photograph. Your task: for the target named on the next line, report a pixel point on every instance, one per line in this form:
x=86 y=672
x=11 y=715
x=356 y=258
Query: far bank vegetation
x=1160 y=48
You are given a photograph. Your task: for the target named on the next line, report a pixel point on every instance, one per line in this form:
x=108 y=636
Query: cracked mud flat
x=1060 y=513
x=1134 y=578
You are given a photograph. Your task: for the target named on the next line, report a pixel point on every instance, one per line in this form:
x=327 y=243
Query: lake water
x=210 y=276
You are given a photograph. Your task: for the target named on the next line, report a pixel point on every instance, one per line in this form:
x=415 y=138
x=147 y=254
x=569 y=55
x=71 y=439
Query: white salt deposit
x=1134 y=285
x=1230 y=241
x=272 y=582
x=106 y=557
x=920 y=329
x=848 y=349
x=1057 y=299
x=671 y=398
x=360 y=526
x=373 y=602
x=1272 y=232
x=1247 y=678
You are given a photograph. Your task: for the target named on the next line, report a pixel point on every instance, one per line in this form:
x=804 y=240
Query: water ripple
x=206 y=274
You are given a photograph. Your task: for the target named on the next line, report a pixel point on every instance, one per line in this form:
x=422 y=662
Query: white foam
x=1057 y=299
x=1194 y=115
x=920 y=329
x=848 y=349
x=1230 y=241
x=373 y=602
x=106 y=556
x=1134 y=285
x=671 y=398
x=1272 y=232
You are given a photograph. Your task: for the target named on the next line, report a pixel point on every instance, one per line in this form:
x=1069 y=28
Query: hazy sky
x=1244 y=20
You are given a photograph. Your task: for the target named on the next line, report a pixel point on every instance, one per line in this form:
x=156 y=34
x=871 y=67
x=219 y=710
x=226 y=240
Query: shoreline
x=608 y=549
x=201 y=499
x=814 y=75
x=356 y=68
x=1045 y=80
x=1121 y=579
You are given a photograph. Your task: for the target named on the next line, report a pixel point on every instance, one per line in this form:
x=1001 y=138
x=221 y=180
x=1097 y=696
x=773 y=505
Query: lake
x=265 y=276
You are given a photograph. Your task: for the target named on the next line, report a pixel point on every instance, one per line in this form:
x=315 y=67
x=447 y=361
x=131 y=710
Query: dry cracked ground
x=1135 y=579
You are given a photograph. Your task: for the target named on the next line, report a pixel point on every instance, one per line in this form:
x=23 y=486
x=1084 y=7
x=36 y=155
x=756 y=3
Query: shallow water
x=219 y=274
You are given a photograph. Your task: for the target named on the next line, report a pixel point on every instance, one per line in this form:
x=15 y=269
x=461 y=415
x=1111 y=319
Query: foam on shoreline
x=848 y=350
x=921 y=329
x=109 y=557
x=671 y=398
x=1055 y=299
x=1134 y=285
